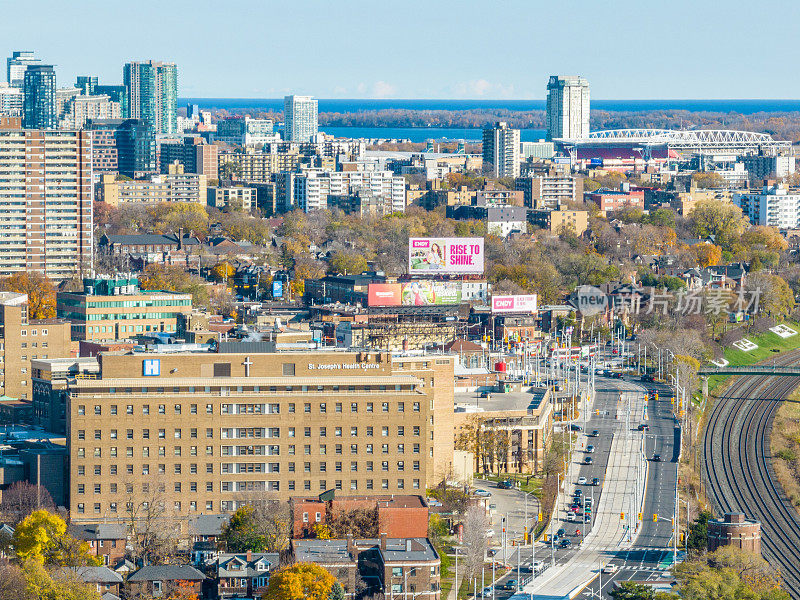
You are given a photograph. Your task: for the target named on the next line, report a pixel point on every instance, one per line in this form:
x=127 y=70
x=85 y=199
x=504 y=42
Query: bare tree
x=22 y=498
x=475 y=542
x=152 y=530
x=273 y=518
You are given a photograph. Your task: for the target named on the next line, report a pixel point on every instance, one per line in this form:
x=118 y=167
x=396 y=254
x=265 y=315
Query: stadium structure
x=665 y=144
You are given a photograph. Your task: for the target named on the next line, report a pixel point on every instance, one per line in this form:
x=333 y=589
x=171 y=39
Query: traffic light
x=655 y=518
x=640 y=516
x=545 y=537
x=622 y=516
x=541 y=517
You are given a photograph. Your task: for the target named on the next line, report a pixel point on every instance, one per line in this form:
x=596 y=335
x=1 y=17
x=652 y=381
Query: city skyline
x=234 y=62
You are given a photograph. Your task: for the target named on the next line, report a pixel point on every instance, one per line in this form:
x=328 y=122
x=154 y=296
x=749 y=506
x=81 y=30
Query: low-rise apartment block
x=173 y=187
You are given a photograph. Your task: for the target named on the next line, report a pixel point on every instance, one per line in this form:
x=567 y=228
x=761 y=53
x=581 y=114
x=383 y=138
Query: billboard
x=445 y=255
x=383 y=294
x=425 y=292
x=414 y=293
x=514 y=304
x=277 y=289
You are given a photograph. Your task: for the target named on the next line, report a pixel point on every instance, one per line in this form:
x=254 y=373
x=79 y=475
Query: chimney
x=180 y=238
x=383 y=541
x=249 y=555
x=408 y=544
x=351 y=547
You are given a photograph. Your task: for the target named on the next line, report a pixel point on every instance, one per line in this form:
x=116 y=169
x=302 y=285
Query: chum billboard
x=414 y=293
x=445 y=255
x=514 y=304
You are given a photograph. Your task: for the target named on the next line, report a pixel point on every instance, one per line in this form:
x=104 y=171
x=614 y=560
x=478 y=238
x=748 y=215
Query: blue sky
x=493 y=49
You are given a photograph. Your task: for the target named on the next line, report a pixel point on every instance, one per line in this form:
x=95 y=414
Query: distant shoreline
x=741 y=106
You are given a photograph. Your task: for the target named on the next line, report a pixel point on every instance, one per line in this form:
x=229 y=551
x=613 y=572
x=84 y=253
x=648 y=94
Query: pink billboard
x=514 y=304
x=445 y=255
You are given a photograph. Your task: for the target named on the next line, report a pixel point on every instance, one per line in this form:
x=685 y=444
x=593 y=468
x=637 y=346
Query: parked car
x=482 y=493
x=506 y=484
x=590 y=448
x=581 y=480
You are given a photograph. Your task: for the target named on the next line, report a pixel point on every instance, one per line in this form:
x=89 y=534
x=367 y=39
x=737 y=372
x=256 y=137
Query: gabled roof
x=460 y=345
x=167 y=573
x=96 y=575
x=98 y=531
x=140 y=239
x=208 y=524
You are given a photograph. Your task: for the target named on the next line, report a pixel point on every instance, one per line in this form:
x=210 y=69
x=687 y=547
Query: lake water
x=422 y=134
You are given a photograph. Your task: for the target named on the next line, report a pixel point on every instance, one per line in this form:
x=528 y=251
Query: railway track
x=737 y=466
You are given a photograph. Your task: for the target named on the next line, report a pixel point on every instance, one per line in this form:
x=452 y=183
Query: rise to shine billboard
x=445 y=255
x=414 y=293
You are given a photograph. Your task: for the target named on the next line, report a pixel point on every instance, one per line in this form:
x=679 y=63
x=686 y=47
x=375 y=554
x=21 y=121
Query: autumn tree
x=361 y=522
x=707 y=255
x=42 y=537
x=630 y=590
x=707 y=180
x=172 y=278
x=347 y=263
x=300 y=581
x=152 y=531
x=770 y=294
x=53 y=585
x=242 y=533
x=222 y=271
x=264 y=524
x=718 y=219
x=21 y=499
x=40 y=290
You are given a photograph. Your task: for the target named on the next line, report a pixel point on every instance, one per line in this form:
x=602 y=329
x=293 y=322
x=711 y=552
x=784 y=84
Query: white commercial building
x=17 y=64
x=10 y=101
x=76 y=110
x=773 y=206
x=567 y=112
x=501 y=150
x=309 y=190
x=301 y=122
x=768 y=167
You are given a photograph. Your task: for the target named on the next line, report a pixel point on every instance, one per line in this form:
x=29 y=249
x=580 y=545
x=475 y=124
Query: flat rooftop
x=529 y=400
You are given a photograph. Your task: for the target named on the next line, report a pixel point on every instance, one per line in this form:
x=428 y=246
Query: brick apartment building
x=204 y=430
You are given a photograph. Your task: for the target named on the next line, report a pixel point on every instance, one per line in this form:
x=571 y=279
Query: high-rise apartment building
x=301 y=121
x=501 y=150
x=46 y=189
x=567 y=113
x=17 y=64
x=152 y=94
x=310 y=189
x=39 y=98
x=193 y=153
x=86 y=84
x=124 y=146
x=200 y=431
x=77 y=110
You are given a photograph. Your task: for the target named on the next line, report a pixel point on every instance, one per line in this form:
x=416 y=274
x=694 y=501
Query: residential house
x=104 y=579
x=242 y=575
x=163 y=580
x=105 y=540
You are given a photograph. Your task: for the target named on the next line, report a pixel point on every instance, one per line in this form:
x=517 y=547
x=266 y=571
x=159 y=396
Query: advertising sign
x=445 y=255
x=383 y=294
x=277 y=289
x=426 y=292
x=514 y=304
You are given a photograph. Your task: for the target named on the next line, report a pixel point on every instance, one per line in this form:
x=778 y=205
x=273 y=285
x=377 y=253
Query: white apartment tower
x=501 y=150
x=17 y=64
x=300 y=118
x=567 y=107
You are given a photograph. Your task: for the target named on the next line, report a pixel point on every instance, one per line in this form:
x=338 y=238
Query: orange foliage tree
x=40 y=290
x=301 y=581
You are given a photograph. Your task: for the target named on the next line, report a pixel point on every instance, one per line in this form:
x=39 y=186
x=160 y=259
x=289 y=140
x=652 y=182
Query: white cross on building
x=247 y=362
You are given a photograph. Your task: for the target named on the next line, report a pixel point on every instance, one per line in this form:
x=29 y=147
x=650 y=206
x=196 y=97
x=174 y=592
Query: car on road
x=565 y=544
x=511 y=584
x=486 y=592
x=506 y=484
x=571 y=517
x=482 y=493
x=589 y=460
x=538 y=566
x=595 y=433
x=578 y=493
x=643 y=427
x=617 y=375
x=587 y=518
x=595 y=481
x=575 y=508
x=561 y=532
x=574 y=427
x=656 y=458
x=489 y=532
x=590 y=448
x=581 y=480
x=610 y=568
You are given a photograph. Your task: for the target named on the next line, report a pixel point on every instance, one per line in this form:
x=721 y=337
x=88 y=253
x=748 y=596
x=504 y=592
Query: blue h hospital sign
x=151 y=367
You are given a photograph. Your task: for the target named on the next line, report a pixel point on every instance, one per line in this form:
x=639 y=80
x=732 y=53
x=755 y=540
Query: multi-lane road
x=738 y=466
